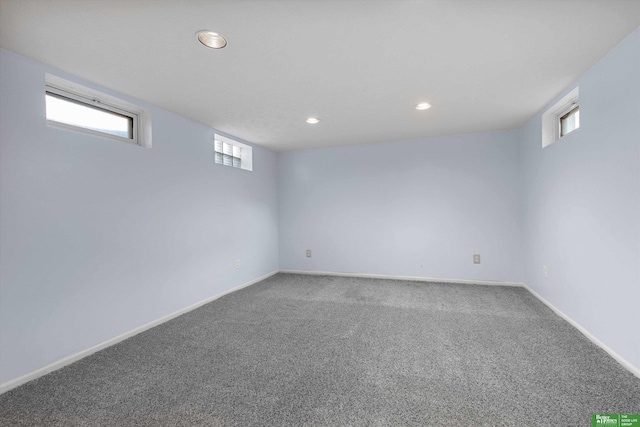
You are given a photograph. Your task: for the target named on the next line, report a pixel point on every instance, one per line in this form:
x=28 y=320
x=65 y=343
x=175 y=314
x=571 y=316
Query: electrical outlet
x=308 y=253
x=545 y=271
x=237 y=263
x=476 y=258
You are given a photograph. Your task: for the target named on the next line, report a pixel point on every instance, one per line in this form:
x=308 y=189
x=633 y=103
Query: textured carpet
x=308 y=350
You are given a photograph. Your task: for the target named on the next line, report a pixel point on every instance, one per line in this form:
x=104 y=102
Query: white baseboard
x=9 y=385
x=621 y=360
x=411 y=278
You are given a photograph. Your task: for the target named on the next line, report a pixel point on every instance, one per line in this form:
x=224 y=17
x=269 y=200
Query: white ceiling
x=360 y=66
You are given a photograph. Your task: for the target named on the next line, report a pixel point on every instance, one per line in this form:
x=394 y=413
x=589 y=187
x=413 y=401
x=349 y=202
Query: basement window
x=64 y=107
x=561 y=119
x=73 y=107
x=229 y=152
x=570 y=121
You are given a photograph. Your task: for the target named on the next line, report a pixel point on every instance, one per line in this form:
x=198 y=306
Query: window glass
x=228 y=154
x=570 y=121
x=76 y=113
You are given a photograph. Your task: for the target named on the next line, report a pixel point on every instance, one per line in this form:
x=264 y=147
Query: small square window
x=228 y=152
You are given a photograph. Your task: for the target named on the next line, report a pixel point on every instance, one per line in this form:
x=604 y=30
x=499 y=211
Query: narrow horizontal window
x=74 y=107
x=70 y=111
x=570 y=121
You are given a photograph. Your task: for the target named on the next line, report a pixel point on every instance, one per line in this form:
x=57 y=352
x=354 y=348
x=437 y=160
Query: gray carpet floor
x=316 y=350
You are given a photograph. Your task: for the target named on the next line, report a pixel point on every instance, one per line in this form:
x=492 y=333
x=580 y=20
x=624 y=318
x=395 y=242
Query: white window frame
x=72 y=97
x=141 y=119
x=246 y=160
x=551 y=126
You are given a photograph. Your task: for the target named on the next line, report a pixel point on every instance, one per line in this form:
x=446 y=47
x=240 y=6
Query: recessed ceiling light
x=211 y=39
x=423 y=106
x=312 y=120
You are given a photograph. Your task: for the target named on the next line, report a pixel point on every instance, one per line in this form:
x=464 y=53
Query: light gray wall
x=100 y=237
x=581 y=205
x=414 y=208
